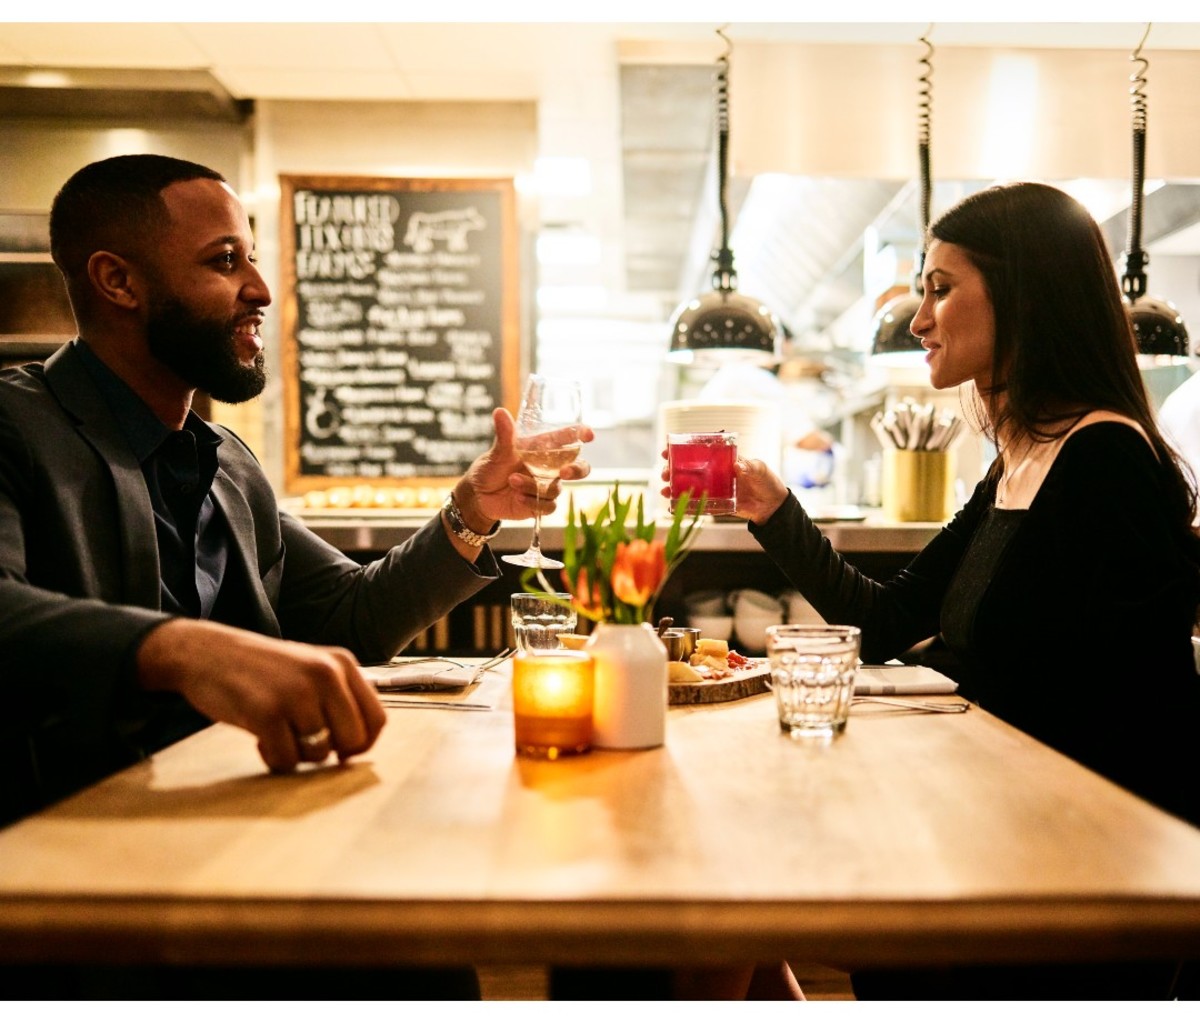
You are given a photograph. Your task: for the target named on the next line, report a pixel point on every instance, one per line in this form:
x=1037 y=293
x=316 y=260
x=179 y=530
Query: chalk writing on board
x=399 y=326
x=451 y=227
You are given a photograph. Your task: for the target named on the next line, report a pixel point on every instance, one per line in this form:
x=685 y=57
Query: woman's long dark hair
x=1064 y=341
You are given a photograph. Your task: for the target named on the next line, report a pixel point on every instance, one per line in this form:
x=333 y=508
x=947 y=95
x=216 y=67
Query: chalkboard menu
x=400 y=326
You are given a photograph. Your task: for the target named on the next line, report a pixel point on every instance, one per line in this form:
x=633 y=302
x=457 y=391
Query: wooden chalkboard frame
x=297 y=482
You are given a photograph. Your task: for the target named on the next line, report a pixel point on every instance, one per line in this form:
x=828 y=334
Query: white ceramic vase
x=630 y=709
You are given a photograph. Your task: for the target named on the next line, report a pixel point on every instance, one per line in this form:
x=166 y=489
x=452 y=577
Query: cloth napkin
x=434 y=677
x=901 y=680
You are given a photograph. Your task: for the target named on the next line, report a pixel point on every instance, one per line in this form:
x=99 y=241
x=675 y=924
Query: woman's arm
x=894 y=615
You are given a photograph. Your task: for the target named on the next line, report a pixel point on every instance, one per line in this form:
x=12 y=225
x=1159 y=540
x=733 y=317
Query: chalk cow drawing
x=451 y=226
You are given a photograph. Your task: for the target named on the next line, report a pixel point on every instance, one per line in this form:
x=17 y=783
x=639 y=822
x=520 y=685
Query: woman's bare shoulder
x=1102 y=415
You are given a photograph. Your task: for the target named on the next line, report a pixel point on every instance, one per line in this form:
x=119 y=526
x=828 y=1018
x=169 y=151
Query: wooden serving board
x=747 y=682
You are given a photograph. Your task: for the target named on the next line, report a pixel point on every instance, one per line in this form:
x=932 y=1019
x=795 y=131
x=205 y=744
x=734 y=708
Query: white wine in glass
x=547 y=440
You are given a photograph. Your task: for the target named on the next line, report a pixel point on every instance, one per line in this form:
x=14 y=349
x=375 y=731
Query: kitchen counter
x=366 y=531
x=725 y=558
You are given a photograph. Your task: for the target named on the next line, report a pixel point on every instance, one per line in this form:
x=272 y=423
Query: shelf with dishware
x=726 y=559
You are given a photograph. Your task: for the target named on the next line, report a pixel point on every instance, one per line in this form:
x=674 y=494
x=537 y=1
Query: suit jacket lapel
x=232 y=503
x=69 y=380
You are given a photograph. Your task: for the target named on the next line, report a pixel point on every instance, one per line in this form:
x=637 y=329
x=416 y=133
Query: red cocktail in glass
x=703 y=464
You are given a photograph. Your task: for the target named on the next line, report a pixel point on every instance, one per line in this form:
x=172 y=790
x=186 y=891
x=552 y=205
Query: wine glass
x=546 y=441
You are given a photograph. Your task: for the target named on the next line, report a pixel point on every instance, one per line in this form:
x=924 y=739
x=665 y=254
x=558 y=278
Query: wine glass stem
x=535 y=544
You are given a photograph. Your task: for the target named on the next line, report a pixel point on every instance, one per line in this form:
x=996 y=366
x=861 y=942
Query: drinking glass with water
x=538 y=619
x=812 y=673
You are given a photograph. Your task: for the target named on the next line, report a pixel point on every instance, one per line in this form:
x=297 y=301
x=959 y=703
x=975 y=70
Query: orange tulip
x=638 y=571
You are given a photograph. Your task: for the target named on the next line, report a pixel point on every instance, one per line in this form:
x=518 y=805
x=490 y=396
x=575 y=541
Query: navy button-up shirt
x=179 y=467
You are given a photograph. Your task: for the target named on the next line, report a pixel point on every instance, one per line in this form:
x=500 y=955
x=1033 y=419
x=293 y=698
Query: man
x=149 y=584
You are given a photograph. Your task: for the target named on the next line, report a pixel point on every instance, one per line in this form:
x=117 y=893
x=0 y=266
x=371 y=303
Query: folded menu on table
x=901 y=680
x=428 y=674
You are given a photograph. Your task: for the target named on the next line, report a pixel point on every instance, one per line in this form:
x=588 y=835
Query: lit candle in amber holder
x=552 y=703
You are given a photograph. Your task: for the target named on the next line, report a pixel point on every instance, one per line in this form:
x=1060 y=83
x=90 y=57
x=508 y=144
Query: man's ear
x=111 y=276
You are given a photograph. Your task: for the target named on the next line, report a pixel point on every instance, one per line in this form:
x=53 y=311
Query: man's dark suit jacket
x=79 y=582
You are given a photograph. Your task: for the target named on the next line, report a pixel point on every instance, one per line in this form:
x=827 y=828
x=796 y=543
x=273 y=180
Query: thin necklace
x=1009 y=453
x=1002 y=482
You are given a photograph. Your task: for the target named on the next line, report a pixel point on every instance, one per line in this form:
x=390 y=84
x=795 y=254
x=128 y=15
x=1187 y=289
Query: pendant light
x=724 y=325
x=891 y=339
x=1161 y=335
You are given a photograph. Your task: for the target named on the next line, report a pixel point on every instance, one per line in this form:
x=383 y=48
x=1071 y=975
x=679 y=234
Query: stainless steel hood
x=798 y=240
x=106 y=93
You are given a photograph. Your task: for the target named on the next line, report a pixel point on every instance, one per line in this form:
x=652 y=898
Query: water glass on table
x=539 y=618
x=812 y=674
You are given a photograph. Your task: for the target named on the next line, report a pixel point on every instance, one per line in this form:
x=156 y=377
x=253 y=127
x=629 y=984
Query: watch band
x=461 y=529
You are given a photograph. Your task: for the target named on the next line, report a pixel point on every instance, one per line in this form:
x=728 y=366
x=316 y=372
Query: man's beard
x=201 y=352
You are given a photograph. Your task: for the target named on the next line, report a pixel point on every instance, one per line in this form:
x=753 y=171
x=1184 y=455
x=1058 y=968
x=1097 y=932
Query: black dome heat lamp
x=724 y=325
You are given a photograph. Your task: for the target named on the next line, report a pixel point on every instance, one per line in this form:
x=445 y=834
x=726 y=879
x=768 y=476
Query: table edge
x=856 y=934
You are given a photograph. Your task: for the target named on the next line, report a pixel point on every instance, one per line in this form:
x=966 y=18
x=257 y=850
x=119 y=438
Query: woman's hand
x=760 y=492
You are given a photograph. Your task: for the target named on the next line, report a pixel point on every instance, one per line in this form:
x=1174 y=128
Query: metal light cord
x=1133 y=282
x=1158 y=328
x=892 y=335
x=725 y=278
x=924 y=121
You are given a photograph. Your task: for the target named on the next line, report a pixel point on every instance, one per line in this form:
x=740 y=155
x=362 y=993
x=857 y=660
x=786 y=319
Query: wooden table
x=911 y=839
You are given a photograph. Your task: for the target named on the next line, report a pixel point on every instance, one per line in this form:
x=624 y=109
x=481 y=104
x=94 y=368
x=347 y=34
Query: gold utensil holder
x=918 y=486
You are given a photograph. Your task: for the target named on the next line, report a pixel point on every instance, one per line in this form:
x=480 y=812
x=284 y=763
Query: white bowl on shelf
x=741 y=600
x=706 y=603
x=750 y=628
x=712 y=627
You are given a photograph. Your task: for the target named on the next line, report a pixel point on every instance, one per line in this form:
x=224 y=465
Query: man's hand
x=498 y=486
x=302 y=702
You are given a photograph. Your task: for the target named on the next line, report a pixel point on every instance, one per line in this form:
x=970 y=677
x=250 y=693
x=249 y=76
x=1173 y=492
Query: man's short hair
x=114 y=205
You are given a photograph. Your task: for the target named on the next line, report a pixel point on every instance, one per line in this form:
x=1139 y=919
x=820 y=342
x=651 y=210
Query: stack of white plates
x=757 y=424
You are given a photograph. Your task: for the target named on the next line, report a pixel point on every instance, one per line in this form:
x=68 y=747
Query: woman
x=1067 y=587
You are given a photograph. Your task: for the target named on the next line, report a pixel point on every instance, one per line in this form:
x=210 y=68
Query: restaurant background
x=608 y=133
